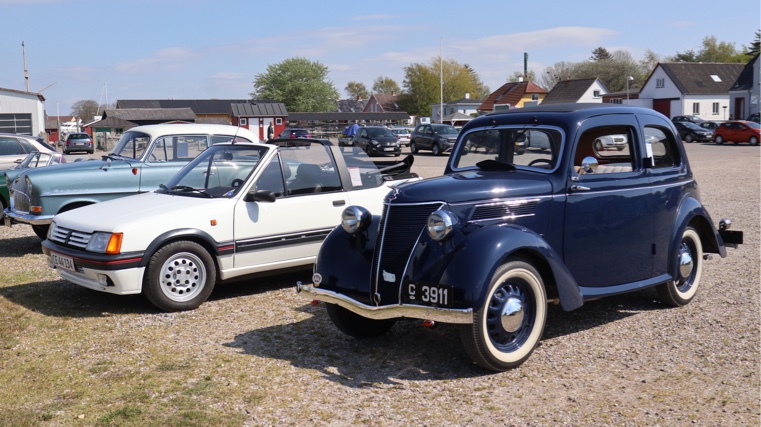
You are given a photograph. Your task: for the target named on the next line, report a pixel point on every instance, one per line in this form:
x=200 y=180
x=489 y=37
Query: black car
x=439 y=138
x=505 y=232
x=78 y=141
x=693 y=119
x=377 y=140
x=294 y=133
x=710 y=125
x=692 y=132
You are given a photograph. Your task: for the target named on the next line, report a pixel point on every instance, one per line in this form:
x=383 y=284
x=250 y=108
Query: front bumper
x=28 y=218
x=438 y=314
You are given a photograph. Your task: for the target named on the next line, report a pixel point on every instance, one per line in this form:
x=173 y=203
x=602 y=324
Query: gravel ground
x=623 y=361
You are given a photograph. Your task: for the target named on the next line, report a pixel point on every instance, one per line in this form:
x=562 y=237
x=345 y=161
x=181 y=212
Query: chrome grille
x=19 y=200
x=69 y=237
x=500 y=210
x=400 y=227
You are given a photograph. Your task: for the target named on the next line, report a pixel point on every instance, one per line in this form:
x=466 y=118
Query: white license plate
x=429 y=294
x=62 y=261
x=388 y=149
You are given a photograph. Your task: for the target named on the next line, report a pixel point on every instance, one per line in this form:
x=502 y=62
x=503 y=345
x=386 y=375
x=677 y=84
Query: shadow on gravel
x=409 y=351
x=20 y=246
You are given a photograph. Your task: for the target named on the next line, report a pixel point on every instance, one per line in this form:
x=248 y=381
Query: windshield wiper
x=188 y=189
x=494 y=165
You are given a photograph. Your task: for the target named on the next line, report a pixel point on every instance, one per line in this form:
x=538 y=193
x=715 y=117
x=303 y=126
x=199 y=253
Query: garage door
x=16 y=123
x=662 y=106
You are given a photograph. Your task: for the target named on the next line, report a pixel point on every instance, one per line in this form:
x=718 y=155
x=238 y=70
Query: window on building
x=695 y=108
x=243 y=121
x=278 y=121
x=715 y=108
x=615 y=101
x=659 y=83
x=596 y=94
x=535 y=97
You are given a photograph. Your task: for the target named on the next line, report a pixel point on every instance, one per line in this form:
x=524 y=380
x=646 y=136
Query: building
x=383 y=103
x=512 y=95
x=465 y=107
x=205 y=110
x=22 y=112
x=576 y=91
x=744 y=96
x=151 y=116
x=690 y=88
x=258 y=116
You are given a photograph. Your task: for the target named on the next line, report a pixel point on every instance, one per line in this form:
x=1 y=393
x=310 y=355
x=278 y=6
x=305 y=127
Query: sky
x=109 y=50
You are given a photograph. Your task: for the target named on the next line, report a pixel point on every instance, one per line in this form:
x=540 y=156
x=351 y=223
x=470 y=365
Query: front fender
x=469 y=261
x=345 y=261
x=692 y=212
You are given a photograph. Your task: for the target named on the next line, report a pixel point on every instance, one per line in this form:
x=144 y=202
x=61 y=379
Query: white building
x=22 y=112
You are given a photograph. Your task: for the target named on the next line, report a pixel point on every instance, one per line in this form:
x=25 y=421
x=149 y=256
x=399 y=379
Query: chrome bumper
x=27 y=218
x=438 y=314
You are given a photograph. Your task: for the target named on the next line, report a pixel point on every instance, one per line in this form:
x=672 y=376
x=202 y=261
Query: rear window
x=79 y=136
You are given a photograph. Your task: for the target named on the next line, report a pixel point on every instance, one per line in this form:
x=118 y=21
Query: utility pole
x=441 y=80
x=26 y=72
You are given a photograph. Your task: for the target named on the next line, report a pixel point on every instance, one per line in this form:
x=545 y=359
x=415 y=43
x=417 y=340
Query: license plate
x=388 y=149
x=62 y=261
x=429 y=294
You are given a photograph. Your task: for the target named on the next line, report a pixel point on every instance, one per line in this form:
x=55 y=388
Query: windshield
x=132 y=145
x=220 y=171
x=167 y=148
x=693 y=126
x=378 y=132
x=445 y=130
x=537 y=148
x=753 y=125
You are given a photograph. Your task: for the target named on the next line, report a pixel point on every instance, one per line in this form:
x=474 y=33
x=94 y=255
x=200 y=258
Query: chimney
x=520 y=79
x=467 y=95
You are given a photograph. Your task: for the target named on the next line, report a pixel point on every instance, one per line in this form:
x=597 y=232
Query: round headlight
x=355 y=219
x=440 y=224
x=374 y=142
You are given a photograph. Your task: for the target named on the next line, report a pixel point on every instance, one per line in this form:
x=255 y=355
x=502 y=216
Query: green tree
x=556 y=72
x=356 y=90
x=385 y=85
x=85 y=109
x=600 y=54
x=531 y=77
x=613 y=72
x=712 y=51
x=755 y=46
x=300 y=84
x=422 y=85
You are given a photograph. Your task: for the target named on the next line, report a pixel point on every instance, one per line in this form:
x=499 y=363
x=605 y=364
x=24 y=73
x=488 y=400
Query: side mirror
x=588 y=165
x=260 y=196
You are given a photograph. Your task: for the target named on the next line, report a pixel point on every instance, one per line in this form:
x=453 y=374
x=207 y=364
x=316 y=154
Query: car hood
x=82 y=165
x=133 y=211
x=473 y=186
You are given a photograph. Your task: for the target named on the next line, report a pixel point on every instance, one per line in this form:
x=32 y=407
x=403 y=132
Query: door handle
x=339 y=202
x=576 y=187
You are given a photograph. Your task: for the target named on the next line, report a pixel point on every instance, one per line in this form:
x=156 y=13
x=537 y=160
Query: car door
x=289 y=231
x=608 y=233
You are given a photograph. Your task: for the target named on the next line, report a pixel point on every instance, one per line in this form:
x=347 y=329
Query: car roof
x=201 y=128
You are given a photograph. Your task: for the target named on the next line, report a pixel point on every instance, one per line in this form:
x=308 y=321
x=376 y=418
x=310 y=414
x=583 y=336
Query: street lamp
x=628 y=79
x=725 y=112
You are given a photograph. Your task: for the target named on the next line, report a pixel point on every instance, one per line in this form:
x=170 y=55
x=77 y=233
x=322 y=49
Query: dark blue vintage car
x=505 y=232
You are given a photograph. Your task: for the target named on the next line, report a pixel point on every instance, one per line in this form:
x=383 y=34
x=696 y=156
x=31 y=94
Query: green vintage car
x=144 y=157
x=34 y=159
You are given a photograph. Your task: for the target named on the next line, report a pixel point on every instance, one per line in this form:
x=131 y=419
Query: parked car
x=500 y=235
x=439 y=138
x=690 y=132
x=144 y=157
x=236 y=210
x=753 y=118
x=710 y=125
x=34 y=159
x=14 y=148
x=738 y=131
x=692 y=118
x=377 y=141
x=611 y=142
x=294 y=133
x=78 y=141
x=403 y=133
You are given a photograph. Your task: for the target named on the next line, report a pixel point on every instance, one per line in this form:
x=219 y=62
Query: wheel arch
x=693 y=214
x=192 y=235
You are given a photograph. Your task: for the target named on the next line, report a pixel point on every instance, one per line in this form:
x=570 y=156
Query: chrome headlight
x=107 y=243
x=440 y=224
x=355 y=219
x=374 y=142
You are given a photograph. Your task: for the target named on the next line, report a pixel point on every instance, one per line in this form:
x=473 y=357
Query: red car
x=738 y=131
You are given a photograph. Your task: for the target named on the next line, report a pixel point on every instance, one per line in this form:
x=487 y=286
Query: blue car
x=506 y=231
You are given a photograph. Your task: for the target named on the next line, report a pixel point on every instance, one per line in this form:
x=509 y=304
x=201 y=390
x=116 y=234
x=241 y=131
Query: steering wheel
x=237 y=182
x=537 y=161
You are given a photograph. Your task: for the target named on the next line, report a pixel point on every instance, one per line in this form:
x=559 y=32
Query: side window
x=310 y=169
x=28 y=147
x=41 y=160
x=610 y=146
x=272 y=178
x=661 y=148
x=10 y=146
x=162 y=150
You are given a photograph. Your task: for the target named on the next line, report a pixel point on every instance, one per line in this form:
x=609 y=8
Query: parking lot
x=258 y=354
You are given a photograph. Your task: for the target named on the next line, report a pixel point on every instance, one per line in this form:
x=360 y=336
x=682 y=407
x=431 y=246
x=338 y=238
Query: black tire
x=688 y=139
x=689 y=258
x=508 y=327
x=355 y=325
x=41 y=231
x=718 y=139
x=435 y=149
x=180 y=276
x=753 y=140
x=413 y=147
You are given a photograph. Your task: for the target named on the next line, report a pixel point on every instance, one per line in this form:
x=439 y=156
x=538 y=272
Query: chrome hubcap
x=512 y=314
x=686 y=264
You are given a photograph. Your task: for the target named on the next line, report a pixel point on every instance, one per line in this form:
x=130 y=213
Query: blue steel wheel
x=508 y=327
x=689 y=269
